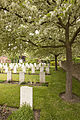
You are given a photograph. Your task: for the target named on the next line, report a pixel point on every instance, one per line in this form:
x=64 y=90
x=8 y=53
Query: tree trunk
x=69 y=72
x=56 y=63
x=69 y=67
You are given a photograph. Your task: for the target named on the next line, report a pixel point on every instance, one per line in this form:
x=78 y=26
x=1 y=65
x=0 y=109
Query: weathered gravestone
x=0 y=65
x=35 y=64
x=26 y=64
x=15 y=69
x=11 y=66
x=21 y=77
x=37 y=67
x=9 y=76
x=42 y=77
x=20 y=61
x=26 y=96
x=6 y=69
x=33 y=69
x=41 y=69
x=24 y=69
x=16 y=65
x=39 y=64
x=47 y=70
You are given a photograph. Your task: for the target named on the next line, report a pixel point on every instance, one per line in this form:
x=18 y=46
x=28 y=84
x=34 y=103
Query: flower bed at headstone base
x=27 y=83
x=5 y=112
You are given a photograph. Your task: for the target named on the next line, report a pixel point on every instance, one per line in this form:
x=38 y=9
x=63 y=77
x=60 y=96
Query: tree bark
x=68 y=72
x=68 y=66
x=56 y=63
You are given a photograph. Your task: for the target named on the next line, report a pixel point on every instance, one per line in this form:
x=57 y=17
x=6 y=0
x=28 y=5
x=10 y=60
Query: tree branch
x=53 y=46
x=48 y=2
x=57 y=54
x=19 y=16
x=61 y=23
x=62 y=41
x=43 y=22
x=54 y=1
x=1 y=8
x=75 y=17
x=72 y=23
x=74 y=36
x=29 y=41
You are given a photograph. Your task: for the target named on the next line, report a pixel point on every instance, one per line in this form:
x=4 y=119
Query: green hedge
x=76 y=60
x=52 y=63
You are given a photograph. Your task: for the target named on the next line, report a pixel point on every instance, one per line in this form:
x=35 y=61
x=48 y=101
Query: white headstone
x=6 y=64
x=47 y=70
x=6 y=69
x=24 y=69
x=41 y=69
x=21 y=77
x=22 y=65
x=1 y=61
x=27 y=65
x=11 y=66
x=16 y=65
x=35 y=64
x=39 y=64
x=26 y=96
x=48 y=64
x=43 y=64
x=0 y=65
x=33 y=69
x=42 y=77
x=15 y=69
x=20 y=61
x=37 y=67
x=19 y=64
x=9 y=76
x=31 y=65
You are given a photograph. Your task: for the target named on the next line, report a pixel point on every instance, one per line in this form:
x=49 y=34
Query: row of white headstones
x=22 y=77
x=26 y=93
x=33 y=67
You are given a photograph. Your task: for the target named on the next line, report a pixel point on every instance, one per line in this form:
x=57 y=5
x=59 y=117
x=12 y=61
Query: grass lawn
x=15 y=77
x=46 y=98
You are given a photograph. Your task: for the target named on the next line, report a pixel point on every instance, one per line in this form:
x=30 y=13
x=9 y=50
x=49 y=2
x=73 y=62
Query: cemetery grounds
x=46 y=99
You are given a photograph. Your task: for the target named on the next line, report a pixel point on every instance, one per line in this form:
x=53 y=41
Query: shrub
x=52 y=63
x=9 y=81
x=22 y=83
x=23 y=113
x=76 y=60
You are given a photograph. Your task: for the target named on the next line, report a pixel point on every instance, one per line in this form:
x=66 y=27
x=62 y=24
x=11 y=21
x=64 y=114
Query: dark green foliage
x=23 y=83
x=9 y=81
x=76 y=60
x=23 y=113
